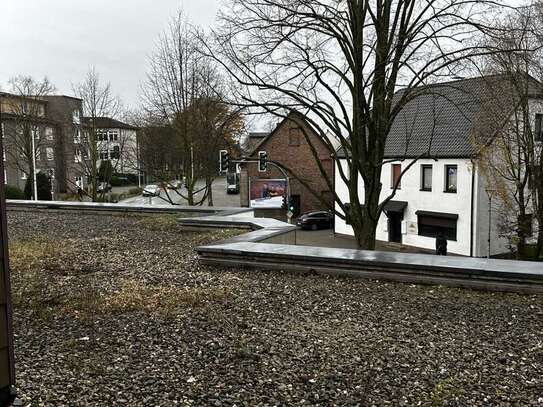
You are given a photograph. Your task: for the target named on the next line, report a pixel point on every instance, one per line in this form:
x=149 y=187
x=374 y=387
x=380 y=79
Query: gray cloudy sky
x=61 y=39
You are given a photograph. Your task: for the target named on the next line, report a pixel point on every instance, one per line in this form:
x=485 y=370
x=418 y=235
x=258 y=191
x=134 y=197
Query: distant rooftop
x=108 y=123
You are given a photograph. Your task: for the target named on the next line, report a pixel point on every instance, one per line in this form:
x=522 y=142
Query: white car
x=151 y=190
x=175 y=184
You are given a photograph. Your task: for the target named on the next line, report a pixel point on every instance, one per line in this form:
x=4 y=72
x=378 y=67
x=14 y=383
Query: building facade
x=43 y=130
x=444 y=192
x=288 y=146
x=117 y=142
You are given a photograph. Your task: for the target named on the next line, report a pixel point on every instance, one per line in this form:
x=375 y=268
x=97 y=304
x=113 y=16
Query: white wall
x=435 y=201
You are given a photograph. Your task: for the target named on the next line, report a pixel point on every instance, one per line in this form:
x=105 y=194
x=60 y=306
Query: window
x=396 y=176
x=36 y=133
x=38 y=154
x=5 y=176
x=50 y=154
x=104 y=155
x=76 y=117
x=432 y=224
x=77 y=155
x=115 y=153
x=113 y=135
x=4 y=153
x=294 y=137
x=426 y=178
x=101 y=135
x=451 y=175
x=538 y=134
x=23 y=175
x=3 y=130
x=49 y=133
x=77 y=136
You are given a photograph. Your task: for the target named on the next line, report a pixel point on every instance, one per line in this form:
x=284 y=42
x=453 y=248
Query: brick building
x=287 y=146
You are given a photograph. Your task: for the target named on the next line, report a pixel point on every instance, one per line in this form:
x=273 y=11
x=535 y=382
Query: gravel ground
x=117 y=310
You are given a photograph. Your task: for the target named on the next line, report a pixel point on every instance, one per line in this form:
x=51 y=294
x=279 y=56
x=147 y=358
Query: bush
x=116 y=182
x=135 y=191
x=44 y=187
x=13 y=192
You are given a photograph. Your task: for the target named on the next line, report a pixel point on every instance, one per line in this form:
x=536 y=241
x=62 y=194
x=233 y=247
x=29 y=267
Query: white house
x=447 y=192
x=118 y=143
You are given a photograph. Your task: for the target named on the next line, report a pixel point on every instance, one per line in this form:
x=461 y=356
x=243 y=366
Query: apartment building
x=117 y=142
x=43 y=130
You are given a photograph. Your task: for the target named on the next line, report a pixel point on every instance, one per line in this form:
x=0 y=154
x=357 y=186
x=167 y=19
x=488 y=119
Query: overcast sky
x=61 y=39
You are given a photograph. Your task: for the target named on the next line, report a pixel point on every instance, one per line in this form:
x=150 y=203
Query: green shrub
x=43 y=184
x=13 y=192
x=116 y=182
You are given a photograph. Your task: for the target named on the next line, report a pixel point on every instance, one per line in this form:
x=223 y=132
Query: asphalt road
x=220 y=197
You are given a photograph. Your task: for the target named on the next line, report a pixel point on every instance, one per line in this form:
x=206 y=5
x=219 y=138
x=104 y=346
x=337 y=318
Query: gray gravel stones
x=269 y=338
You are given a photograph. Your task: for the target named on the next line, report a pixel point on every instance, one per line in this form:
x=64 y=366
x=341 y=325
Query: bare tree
x=341 y=63
x=183 y=92
x=26 y=109
x=98 y=101
x=511 y=159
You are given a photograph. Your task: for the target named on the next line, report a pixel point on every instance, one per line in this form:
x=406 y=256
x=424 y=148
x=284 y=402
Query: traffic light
x=262 y=161
x=291 y=206
x=224 y=161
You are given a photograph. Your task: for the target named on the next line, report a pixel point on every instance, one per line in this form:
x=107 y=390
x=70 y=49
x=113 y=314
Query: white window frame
x=49 y=134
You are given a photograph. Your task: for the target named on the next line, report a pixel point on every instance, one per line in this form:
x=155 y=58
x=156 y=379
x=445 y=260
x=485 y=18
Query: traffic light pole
x=275 y=165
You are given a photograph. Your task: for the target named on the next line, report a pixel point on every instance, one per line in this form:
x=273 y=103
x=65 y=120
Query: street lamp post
x=490 y=193
x=34 y=181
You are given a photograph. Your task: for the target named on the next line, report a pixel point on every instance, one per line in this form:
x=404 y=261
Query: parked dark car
x=316 y=220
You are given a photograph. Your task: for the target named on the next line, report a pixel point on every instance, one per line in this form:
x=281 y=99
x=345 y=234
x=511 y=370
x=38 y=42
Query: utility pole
x=490 y=193
x=35 y=182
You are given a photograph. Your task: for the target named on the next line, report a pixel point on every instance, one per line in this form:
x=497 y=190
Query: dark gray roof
x=448 y=119
x=108 y=123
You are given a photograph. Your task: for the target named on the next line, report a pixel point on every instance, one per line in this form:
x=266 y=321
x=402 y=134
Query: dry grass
x=136 y=296
x=41 y=274
x=160 y=223
x=32 y=264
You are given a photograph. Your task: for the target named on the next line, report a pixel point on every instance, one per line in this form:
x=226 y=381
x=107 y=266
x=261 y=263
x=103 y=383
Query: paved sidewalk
x=326 y=238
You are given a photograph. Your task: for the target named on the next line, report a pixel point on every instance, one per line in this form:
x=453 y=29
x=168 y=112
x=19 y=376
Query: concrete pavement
x=220 y=197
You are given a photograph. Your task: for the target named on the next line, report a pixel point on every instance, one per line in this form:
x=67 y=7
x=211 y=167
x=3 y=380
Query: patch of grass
x=31 y=263
x=160 y=223
x=444 y=391
x=34 y=254
x=136 y=296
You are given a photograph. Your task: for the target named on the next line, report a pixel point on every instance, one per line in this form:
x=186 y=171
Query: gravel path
x=117 y=310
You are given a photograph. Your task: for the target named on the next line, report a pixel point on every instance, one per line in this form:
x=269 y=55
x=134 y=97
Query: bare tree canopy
x=185 y=92
x=512 y=159
x=341 y=62
x=27 y=110
x=98 y=101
